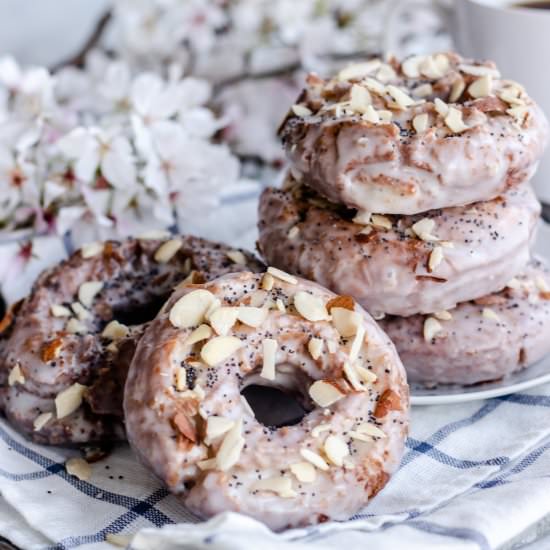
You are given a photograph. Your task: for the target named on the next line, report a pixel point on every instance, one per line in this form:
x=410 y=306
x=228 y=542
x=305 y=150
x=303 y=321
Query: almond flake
x=421 y=123
x=345 y=321
x=370 y=429
x=167 y=251
x=78 y=468
x=362 y=218
x=41 y=420
x=316 y=459
x=332 y=346
x=383 y=222
x=237 y=257
x=385 y=116
x=60 y=311
x=222 y=319
x=479 y=70
x=431 y=328
x=208 y=464
x=457 y=89
x=359 y=70
x=441 y=107
x=357 y=343
x=401 y=98
x=443 y=315
x=91 y=249
x=423 y=229
x=230 y=450
x=512 y=96
x=514 y=283
x=267 y=281
x=488 y=313
x=360 y=98
x=386 y=73
x=214 y=306
x=435 y=66
x=353 y=377
x=69 y=400
x=368 y=376
x=336 y=450
x=481 y=87
x=315 y=348
x=374 y=86
x=281 y=486
x=181 y=379
x=319 y=429
x=411 y=66
x=118 y=540
x=80 y=311
x=293 y=232
x=454 y=121
x=252 y=316
x=301 y=110
x=371 y=115
x=310 y=307
x=16 y=376
x=74 y=326
x=304 y=472
x=324 y=393
x=519 y=113
x=269 y=347
x=115 y=331
x=191 y=308
x=282 y=276
x=154 y=235
x=219 y=349
x=435 y=259
x=216 y=426
x=202 y=332
x=88 y=291
x=424 y=90
x=542 y=285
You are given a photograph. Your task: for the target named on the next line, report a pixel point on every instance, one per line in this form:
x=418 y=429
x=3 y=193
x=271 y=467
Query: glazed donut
x=400 y=265
x=68 y=352
x=187 y=420
x=478 y=341
x=432 y=132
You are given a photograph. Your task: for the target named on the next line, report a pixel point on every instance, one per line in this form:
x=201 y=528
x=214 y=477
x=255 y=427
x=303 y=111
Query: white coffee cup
x=516 y=38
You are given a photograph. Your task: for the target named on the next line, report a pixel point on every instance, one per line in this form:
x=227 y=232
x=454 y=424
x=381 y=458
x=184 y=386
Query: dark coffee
x=532 y=5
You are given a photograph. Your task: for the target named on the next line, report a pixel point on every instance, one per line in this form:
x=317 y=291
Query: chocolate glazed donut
x=66 y=354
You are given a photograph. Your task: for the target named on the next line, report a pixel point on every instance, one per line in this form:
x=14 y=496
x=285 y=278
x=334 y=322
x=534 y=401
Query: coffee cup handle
x=391 y=37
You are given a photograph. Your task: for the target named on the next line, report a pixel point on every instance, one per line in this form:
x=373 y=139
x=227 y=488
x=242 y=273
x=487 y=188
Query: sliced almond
x=481 y=87
x=282 y=276
x=280 y=306
x=541 y=284
x=190 y=309
x=368 y=376
x=78 y=468
x=435 y=66
x=88 y=291
x=304 y=472
x=91 y=249
x=336 y=449
x=314 y=458
x=374 y=85
x=74 y=326
x=324 y=393
x=519 y=113
x=345 y=321
x=479 y=70
x=421 y=123
x=252 y=316
x=80 y=311
x=219 y=349
x=432 y=327
x=353 y=377
x=385 y=116
x=357 y=343
x=454 y=121
x=315 y=348
x=403 y=100
x=424 y=90
x=237 y=257
x=202 y=332
x=423 y=229
x=379 y=221
x=166 y=251
x=269 y=347
x=116 y=539
x=443 y=315
x=154 y=235
x=69 y=400
x=370 y=429
x=222 y=319
x=488 y=313
x=457 y=89
x=115 y=331
x=216 y=426
x=512 y=96
x=41 y=420
x=310 y=307
x=208 y=464
x=60 y=311
x=371 y=115
x=359 y=70
x=441 y=107
x=267 y=281
x=293 y=232
x=435 y=259
x=230 y=450
x=281 y=486
x=360 y=98
x=16 y=376
x=301 y=110
x=411 y=66
x=514 y=283
x=386 y=73
x=362 y=218
x=181 y=379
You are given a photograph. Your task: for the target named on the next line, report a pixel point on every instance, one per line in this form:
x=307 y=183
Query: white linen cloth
x=475 y=476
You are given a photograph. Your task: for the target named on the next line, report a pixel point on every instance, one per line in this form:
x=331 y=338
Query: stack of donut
x=409 y=190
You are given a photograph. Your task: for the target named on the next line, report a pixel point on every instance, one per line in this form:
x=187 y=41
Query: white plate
x=532 y=376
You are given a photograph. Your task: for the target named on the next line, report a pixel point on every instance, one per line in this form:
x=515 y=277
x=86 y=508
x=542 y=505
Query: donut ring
x=432 y=132
x=187 y=421
x=70 y=346
x=387 y=266
x=478 y=341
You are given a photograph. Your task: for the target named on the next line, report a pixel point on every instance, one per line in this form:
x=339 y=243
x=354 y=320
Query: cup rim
x=508 y=7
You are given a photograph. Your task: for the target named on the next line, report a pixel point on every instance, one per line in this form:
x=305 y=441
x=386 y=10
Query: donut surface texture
x=400 y=265
x=433 y=132
x=187 y=420
x=478 y=341
x=65 y=362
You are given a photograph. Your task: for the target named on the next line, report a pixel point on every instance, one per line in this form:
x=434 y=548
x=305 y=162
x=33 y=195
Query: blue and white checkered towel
x=474 y=476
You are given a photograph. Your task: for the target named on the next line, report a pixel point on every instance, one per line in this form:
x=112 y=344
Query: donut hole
x=281 y=403
x=137 y=313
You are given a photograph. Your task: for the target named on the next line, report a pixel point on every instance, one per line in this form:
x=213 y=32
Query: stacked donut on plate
x=409 y=190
